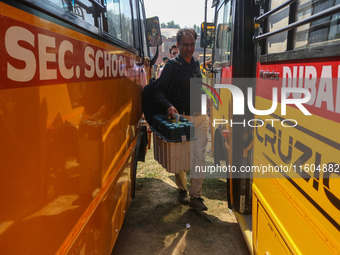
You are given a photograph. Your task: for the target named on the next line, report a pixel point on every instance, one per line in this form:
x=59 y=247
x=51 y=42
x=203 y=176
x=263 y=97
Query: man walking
x=173 y=94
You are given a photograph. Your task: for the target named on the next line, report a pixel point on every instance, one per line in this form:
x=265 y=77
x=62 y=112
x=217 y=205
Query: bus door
x=142 y=61
x=233 y=62
x=148 y=34
x=296 y=195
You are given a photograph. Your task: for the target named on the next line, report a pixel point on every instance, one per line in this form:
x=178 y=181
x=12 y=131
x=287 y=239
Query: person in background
x=154 y=72
x=176 y=77
x=160 y=67
x=173 y=51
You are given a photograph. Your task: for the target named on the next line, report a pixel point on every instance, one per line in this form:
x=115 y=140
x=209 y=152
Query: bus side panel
x=101 y=227
x=222 y=131
x=301 y=201
x=271 y=240
x=69 y=112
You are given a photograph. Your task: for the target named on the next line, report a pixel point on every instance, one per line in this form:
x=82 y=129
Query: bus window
x=224 y=33
x=322 y=31
x=126 y=19
x=84 y=9
x=301 y=35
x=334 y=30
x=277 y=43
x=135 y=24
x=143 y=33
x=119 y=20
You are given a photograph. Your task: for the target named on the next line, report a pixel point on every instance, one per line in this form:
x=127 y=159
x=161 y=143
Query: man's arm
x=163 y=87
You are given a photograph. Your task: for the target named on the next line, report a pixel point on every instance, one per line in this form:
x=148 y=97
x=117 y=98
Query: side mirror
x=207 y=35
x=222 y=34
x=153 y=32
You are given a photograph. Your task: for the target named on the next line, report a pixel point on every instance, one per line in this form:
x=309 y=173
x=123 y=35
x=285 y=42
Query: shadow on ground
x=213 y=188
x=156 y=222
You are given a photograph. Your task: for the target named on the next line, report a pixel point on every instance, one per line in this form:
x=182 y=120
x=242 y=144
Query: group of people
x=176 y=73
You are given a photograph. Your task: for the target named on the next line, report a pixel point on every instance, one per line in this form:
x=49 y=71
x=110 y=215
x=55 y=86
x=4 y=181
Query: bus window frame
x=220 y=9
x=117 y=40
x=62 y=14
x=59 y=16
x=143 y=43
x=135 y=19
x=312 y=51
x=120 y=14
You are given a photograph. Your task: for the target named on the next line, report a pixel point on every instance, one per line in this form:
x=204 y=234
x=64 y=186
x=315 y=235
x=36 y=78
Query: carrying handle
x=177 y=116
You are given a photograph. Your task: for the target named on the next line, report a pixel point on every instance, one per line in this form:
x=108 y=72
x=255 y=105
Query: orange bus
x=70 y=111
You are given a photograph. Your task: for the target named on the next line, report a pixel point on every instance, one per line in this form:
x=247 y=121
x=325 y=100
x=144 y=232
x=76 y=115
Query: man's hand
x=171 y=111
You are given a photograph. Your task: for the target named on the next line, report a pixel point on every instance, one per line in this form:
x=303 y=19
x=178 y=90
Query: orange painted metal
x=66 y=141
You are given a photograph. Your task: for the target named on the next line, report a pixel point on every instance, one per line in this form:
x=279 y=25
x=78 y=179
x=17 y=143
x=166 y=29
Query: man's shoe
x=197 y=204
x=183 y=197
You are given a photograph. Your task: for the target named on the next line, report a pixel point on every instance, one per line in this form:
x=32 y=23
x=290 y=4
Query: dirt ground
x=156 y=221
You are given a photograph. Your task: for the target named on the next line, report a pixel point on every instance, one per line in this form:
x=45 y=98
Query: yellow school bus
x=70 y=111
x=296 y=204
x=285 y=147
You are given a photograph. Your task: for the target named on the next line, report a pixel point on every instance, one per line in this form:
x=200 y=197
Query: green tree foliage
x=170 y=24
x=197 y=29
